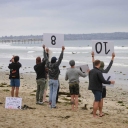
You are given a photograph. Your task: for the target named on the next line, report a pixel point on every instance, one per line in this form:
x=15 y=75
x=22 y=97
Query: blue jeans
x=53 y=85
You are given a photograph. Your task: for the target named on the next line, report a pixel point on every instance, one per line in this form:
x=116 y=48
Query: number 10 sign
x=103 y=48
x=53 y=40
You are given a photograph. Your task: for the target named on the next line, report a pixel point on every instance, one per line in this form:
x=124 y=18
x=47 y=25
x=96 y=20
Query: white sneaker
x=40 y=102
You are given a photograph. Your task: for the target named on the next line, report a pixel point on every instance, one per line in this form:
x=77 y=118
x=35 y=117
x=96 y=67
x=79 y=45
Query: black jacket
x=14 y=70
x=40 y=68
x=96 y=79
x=54 y=70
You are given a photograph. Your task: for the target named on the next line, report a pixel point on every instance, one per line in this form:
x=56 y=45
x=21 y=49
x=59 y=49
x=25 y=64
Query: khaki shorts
x=74 y=88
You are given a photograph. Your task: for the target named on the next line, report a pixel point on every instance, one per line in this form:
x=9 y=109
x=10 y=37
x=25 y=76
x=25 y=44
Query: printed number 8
x=53 y=40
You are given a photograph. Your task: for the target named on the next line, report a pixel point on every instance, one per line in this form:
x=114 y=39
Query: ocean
x=79 y=50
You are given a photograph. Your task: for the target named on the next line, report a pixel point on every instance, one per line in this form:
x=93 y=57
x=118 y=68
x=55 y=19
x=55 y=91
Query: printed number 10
x=100 y=44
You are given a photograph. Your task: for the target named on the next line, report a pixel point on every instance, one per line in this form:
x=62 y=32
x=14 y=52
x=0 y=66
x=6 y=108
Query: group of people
x=48 y=72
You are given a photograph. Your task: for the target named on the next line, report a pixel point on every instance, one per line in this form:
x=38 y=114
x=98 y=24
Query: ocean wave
x=85 y=62
x=72 y=52
x=117 y=47
x=119 y=57
x=31 y=51
x=8 y=46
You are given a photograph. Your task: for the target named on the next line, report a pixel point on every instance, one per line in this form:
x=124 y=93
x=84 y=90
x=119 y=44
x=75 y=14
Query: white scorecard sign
x=103 y=48
x=83 y=68
x=109 y=77
x=13 y=103
x=53 y=40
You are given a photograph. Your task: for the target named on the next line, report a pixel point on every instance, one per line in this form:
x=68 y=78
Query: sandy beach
x=41 y=116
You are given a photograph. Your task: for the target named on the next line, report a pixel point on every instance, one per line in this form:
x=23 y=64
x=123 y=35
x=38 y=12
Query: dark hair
x=38 y=60
x=96 y=62
x=16 y=59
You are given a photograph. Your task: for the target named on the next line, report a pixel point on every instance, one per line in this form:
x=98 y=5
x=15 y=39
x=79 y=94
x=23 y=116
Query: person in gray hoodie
x=54 y=72
x=73 y=75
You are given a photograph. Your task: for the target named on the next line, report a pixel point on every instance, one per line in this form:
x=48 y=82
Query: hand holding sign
x=112 y=82
x=109 y=77
x=43 y=46
x=47 y=50
x=103 y=48
x=92 y=54
x=63 y=48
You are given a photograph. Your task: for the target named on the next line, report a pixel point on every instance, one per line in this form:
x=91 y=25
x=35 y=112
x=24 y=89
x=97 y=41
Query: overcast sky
x=26 y=17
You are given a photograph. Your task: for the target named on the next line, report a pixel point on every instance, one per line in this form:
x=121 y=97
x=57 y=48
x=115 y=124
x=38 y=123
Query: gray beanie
x=72 y=62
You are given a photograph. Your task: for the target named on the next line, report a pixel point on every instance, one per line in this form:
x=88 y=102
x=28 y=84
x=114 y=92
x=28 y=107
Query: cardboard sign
x=13 y=103
x=102 y=48
x=53 y=40
x=109 y=77
x=83 y=68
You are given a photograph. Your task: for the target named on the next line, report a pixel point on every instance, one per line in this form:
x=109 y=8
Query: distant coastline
x=92 y=36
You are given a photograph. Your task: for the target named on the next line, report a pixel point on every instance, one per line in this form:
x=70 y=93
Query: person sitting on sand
x=40 y=78
x=73 y=75
x=95 y=84
x=54 y=72
x=103 y=71
x=14 y=75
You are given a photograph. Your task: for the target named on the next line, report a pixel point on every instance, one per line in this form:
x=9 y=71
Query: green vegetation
x=120 y=102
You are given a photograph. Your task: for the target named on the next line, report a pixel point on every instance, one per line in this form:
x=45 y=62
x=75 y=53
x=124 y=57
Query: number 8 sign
x=53 y=40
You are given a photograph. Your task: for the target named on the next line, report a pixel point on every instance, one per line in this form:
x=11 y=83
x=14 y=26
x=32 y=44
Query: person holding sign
x=40 y=78
x=103 y=71
x=73 y=75
x=95 y=84
x=14 y=75
x=54 y=72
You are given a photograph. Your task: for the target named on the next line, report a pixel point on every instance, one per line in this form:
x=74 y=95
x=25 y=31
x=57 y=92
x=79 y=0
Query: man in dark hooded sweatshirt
x=54 y=72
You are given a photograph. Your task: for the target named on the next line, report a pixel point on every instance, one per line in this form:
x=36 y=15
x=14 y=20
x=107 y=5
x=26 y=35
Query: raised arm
x=45 y=54
x=93 y=58
x=110 y=64
x=60 y=57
